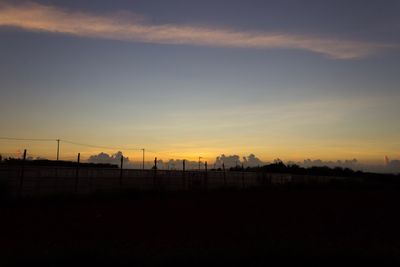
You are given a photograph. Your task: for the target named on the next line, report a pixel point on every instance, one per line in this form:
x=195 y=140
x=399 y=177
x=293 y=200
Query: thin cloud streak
x=123 y=26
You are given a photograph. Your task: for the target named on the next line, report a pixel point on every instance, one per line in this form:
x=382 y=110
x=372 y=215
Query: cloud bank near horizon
x=231 y=161
x=125 y=26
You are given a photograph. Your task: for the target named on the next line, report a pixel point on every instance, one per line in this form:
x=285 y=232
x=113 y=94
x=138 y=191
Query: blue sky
x=327 y=87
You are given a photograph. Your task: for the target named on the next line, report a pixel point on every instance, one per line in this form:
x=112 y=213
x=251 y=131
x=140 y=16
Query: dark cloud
x=252 y=161
x=228 y=161
x=172 y=164
x=110 y=159
x=234 y=160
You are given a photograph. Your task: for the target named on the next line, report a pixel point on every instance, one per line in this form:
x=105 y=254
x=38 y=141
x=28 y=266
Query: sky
x=183 y=79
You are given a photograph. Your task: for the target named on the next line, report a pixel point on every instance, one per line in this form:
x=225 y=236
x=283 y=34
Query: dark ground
x=329 y=227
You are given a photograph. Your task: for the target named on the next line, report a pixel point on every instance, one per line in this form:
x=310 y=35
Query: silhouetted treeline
x=280 y=167
x=54 y=163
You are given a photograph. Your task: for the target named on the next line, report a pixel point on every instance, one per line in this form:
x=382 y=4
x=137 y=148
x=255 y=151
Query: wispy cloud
x=121 y=26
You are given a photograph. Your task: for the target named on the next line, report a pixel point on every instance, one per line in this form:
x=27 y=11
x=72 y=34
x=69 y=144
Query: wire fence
x=37 y=180
x=22 y=177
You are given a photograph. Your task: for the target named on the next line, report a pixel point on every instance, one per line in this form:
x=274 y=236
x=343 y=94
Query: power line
x=28 y=139
x=66 y=141
x=60 y=141
x=96 y=146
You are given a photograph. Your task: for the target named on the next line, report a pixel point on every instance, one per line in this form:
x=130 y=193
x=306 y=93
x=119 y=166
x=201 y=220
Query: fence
x=36 y=180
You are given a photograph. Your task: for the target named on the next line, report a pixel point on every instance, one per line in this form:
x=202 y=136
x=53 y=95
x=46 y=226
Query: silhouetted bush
x=356 y=176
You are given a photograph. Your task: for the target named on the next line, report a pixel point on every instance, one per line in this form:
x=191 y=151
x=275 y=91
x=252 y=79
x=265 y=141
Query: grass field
x=197 y=228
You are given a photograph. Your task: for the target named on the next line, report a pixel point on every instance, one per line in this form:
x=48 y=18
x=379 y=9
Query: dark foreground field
x=329 y=227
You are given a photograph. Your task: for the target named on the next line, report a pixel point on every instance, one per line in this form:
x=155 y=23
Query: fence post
x=183 y=174
x=21 y=181
x=243 y=182
x=155 y=172
x=77 y=173
x=205 y=175
x=56 y=178
x=223 y=168
x=120 y=174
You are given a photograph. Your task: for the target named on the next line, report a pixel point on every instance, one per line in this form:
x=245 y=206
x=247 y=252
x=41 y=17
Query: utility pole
x=77 y=172
x=58 y=149
x=223 y=168
x=205 y=175
x=183 y=174
x=21 y=182
x=155 y=172
x=143 y=159
x=121 y=170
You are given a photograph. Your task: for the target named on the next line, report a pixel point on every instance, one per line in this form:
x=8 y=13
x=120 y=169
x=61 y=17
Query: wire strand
x=28 y=139
x=86 y=145
x=96 y=146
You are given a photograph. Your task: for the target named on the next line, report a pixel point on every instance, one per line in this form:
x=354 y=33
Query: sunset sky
x=184 y=78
